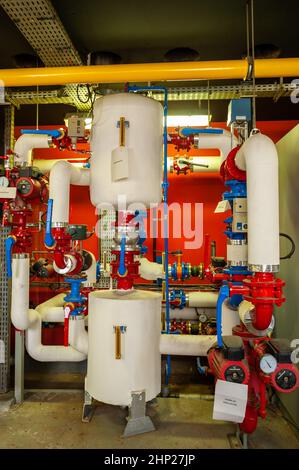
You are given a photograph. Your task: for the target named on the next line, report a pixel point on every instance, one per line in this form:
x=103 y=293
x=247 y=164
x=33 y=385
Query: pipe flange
x=20 y=256
x=263 y=268
x=70 y=265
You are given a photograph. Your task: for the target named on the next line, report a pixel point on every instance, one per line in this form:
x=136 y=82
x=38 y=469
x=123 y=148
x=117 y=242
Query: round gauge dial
x=268 y=364
x=4 y=182
x=235 y=374
x=202 y=318
x=285 y=379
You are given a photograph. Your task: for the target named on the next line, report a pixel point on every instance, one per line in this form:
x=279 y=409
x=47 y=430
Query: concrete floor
x=52 y=420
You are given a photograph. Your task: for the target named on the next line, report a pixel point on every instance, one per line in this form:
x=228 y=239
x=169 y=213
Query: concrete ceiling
x=143 y=32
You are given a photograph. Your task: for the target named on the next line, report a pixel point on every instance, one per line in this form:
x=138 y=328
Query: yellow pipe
x=122 y=73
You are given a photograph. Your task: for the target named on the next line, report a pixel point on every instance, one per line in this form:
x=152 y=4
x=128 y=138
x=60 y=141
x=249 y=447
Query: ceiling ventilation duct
x=103 y=58
x=25 y=60
x=266 y=51
x=181 y=54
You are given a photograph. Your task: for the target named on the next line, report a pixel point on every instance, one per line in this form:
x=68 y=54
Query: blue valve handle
x=51 y=132
x=49 y=240
x=122 y=270
x=223 y=295
x=9 y=243
x=186 y=131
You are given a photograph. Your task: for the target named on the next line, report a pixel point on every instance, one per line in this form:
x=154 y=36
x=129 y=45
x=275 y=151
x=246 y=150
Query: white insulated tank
x=123 y=351
x=135 y=170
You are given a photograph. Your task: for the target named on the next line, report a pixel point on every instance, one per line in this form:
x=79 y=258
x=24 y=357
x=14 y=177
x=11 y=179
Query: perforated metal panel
x=9 y=130
x=106 y=221
x=41 y=26
x=220 y=92
x=4 y=316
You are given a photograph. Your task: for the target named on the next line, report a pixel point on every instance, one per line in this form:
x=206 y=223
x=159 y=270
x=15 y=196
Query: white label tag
x=2 y=352
x=222 y=206
x=8 y=193
x=120 y=163
x=230 y=401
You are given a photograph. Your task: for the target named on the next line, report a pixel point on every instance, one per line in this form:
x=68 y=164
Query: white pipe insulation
x=246 y=313
x=43 y=353
x=186 y=345
x=258 y=156
x=20 y=291
x=78 y=336
x=202 y=299
x=91 y=272
x=150 y=270
x=224 y=142
x=26 y=143
x=62 y=175
x=52 y=310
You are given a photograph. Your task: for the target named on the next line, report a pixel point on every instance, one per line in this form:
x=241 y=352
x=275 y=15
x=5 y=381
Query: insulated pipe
x=188 y=313
x=78 y=336
x=52 y=310
x=43 y=353
x=258 y=156
x=186 y=345
x=20 y=291
x=26 y=143
x=150 y=271
x=62 y=175
x=224 y=142
x=246 y=314
x=123 y=73
x=202 y=299
x=91 y=272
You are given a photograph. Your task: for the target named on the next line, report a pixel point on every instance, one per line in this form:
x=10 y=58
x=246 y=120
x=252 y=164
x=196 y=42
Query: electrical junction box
x=239 y=110
x=239 y=215
x=76 y=126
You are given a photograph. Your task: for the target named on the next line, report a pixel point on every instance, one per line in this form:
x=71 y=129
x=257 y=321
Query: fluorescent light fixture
x=188 y=121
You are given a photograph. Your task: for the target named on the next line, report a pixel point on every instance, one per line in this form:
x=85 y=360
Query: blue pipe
x=223 y=295
x=165 y=185
x=49 y=240
x=9 y=243
x=122 y=267
x=52 y=132
x=185 y=131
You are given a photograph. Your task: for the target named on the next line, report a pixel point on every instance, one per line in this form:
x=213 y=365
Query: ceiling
x=141 y=32
x=144 y=32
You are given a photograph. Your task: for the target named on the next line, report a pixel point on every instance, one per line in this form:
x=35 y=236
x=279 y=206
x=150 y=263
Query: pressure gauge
x=202 y=318
x=4 y=182
x=285 y=379
x=268 y=364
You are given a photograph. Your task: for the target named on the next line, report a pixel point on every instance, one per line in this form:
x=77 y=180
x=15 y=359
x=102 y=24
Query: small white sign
x=222 y=206
x=8 y=193
x=230 y=401
x=120 y=164
x=2 y=352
